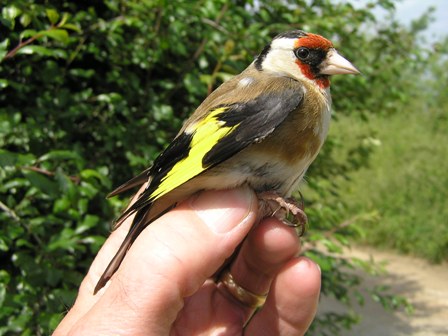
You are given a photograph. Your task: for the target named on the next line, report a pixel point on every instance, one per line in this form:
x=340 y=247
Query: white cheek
x=283 y=63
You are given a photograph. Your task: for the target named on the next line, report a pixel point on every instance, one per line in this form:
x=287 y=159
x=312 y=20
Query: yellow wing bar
x=207 y=133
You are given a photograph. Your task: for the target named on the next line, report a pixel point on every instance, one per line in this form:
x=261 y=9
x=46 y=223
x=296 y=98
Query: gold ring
x=241 y=294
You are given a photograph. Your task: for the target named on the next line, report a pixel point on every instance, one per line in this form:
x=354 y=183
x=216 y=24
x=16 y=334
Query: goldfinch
x=262 y=128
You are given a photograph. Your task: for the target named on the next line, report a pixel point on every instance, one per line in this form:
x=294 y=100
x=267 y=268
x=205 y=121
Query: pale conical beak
x=335 y=64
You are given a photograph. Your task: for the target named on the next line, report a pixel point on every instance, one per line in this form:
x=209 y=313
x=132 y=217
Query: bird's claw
x=285 y=209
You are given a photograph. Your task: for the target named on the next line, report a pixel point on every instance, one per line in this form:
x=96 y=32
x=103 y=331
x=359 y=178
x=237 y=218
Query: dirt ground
x=423 y=284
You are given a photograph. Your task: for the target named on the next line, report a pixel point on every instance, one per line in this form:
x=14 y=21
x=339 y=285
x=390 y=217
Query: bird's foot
x=285 y=209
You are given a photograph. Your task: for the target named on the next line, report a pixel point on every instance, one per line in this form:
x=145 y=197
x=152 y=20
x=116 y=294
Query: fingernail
x=223 y=210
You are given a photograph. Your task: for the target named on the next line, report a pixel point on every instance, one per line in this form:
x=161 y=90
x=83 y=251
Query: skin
x=163 y=286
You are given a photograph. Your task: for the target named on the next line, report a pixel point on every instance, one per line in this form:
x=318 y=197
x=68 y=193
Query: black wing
x=247 y=123
x=254 y=121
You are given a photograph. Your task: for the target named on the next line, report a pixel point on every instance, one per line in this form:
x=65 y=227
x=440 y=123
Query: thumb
x=172 y=258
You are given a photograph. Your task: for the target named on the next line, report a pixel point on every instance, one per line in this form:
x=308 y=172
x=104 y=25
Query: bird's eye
x=302 y=53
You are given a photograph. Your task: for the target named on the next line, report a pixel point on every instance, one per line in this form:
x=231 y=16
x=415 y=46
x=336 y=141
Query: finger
x=292 y=301
x=173 y=257
x=267 y=248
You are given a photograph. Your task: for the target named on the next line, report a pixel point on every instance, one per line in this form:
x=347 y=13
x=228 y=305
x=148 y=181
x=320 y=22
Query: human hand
x=163 y=286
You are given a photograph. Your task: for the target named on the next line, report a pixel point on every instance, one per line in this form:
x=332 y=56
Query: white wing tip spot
x=246 y=81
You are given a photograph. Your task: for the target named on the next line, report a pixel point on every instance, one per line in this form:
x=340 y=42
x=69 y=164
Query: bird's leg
x=272 y=204
x=285 y=209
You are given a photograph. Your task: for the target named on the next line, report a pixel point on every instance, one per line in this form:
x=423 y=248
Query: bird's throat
x=323 y=82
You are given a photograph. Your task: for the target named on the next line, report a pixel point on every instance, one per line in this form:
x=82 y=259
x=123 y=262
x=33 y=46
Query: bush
x=91 y=92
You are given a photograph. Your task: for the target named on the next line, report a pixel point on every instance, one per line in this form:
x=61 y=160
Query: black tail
x=132 y=183
x=139 y=223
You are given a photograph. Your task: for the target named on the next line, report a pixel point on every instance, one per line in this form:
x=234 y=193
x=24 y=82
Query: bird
x=262 y=128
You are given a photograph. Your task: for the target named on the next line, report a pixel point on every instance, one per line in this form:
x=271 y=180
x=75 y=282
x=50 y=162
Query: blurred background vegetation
x=91 y=91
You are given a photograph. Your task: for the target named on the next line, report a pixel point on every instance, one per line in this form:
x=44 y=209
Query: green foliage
x=49 y=231
x=406 y=181
x=90 y=92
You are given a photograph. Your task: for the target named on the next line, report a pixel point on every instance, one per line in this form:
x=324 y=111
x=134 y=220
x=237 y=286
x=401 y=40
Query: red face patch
x=313 y=41
x=322 y=82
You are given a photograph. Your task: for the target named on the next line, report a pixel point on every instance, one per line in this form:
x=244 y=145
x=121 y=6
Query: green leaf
x=3 y=82
x=11 y=12
x=5 y=277
x=88 y=174
x=3 y=245
x=66 y=240
x=43 y=183
x=2 y=294
x=88 y=190
x=42 y=51
x=60 y=35
x=64 y=19
x=88 y=222
x=66 y=185
x=52 y=15
x=28 y=33
x=24 y=243
x=15 y=183
x=4 y=44
x=109 y=97
x=71 y=26
x=61 y=205
x=83 y=206
x=8 y=158
x=25 y=19
x=4 y=48
x=60 y=155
